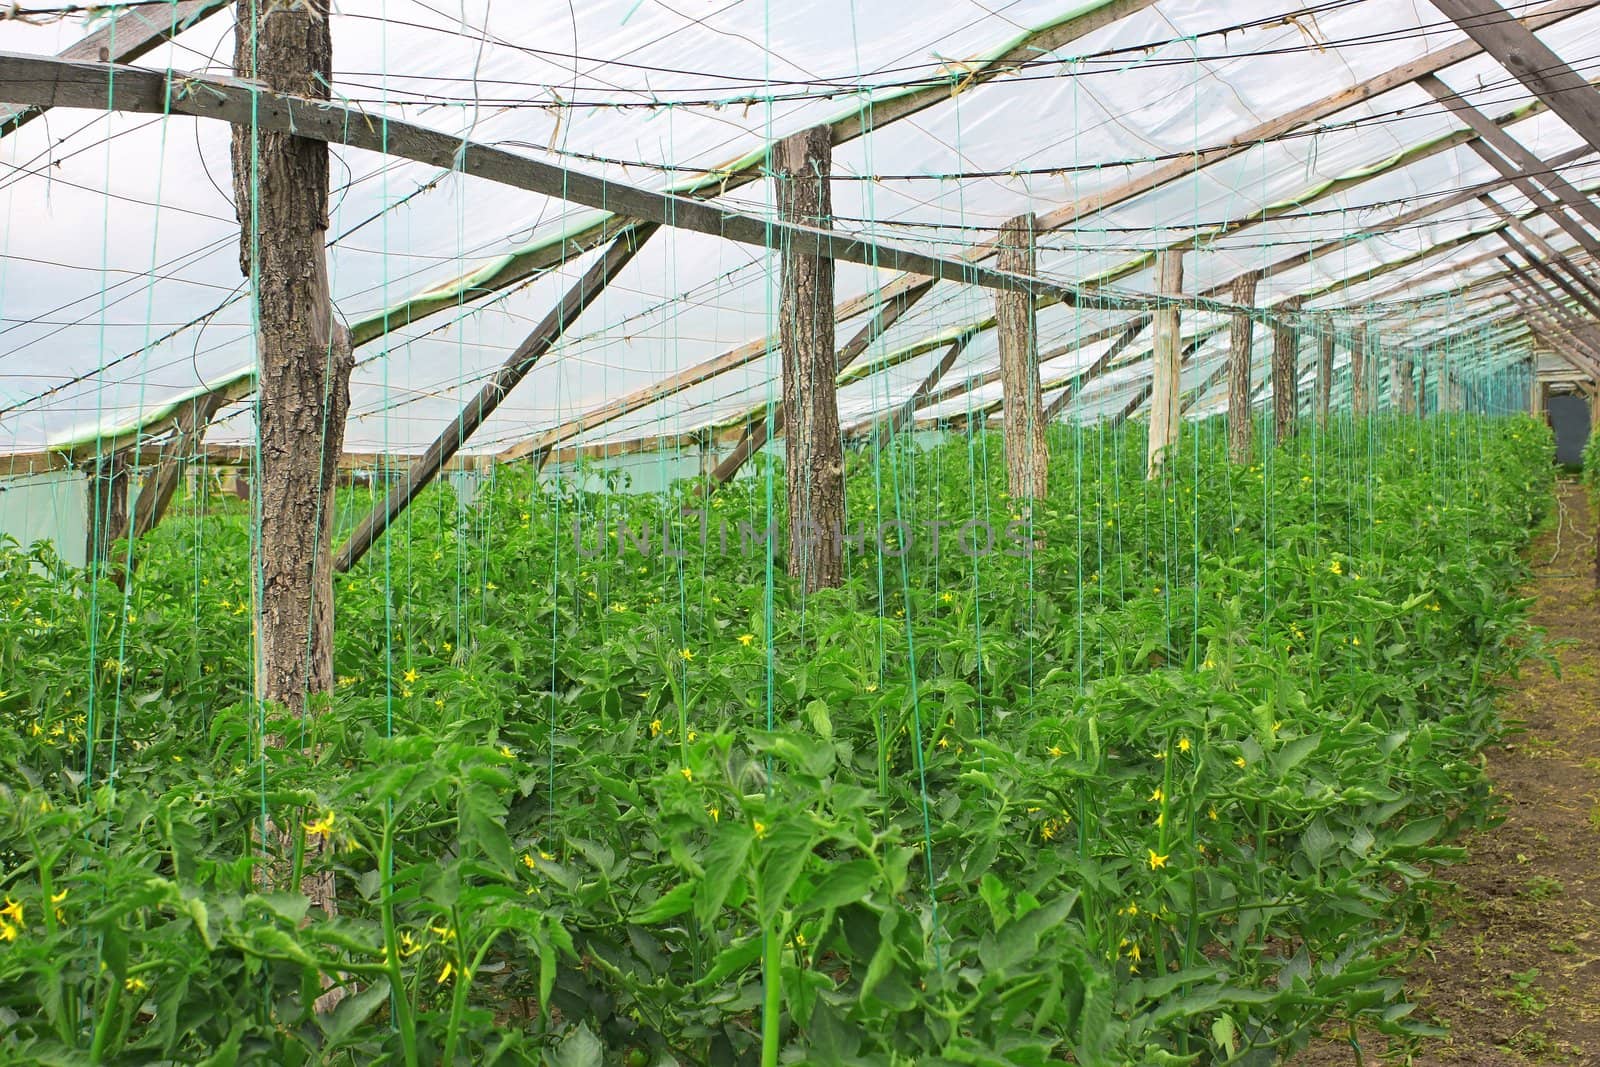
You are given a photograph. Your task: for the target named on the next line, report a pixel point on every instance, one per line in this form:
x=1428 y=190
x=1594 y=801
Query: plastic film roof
x=121 y=292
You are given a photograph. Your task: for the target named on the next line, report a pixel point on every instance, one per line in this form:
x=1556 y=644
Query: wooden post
x=814 y=455
x=108 y=508
x=1402 y=387
x=1285 y=380
x=1027 y=461
x=280 y=185
x=1324 y=373
x=1241 y=344
x=1165 y=368
x=1360 y=399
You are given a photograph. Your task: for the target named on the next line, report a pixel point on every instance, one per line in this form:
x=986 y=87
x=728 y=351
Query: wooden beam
x=1183 y=167
x=1027 y=461
x=1241 y=344
x=901 y=415
x=1582 y=299
x=1178 y=168
x=1542 y=246
x=96 y=86
x=1074 y=384
x=1556 y=315
x=1494 y=143
x=516 y=367
x=759 y=429
x=1531 y=61
x=1145 y=392
x=864 y=115
x=176 y=453
x=131 y=33
x=813 y=454
x=1548 y=316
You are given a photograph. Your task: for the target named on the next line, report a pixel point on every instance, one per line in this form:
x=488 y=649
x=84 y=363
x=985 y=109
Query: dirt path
x=1515 y=971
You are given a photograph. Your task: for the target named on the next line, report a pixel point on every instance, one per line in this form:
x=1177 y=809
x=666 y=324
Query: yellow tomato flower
x=1158 y=796
x=655 y=727
x=527 y=860
x=410 y=675
x=444 y=975
x=946 y=597
x=1055 y=751
x=1335 y=568
x=322 y=827
x=715 y=813
x=1183 y=744
x=686 y=653
x=688 y=775
x=12 y=912
x=745 y=639
x=759 y=827
x=1157 y=861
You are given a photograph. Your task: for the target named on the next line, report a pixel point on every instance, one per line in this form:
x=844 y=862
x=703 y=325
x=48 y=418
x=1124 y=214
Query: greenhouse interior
x=986 y=532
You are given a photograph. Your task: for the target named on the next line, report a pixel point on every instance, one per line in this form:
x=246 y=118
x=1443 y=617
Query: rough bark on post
x=1241 y=341
x=1402 y=390
x=1166 y=366
x=1285 y=380
x=280 y=185
x=1324 y=374
x=108 y=508
x=1359 y=397
x=1027 y=461
x=813 y=452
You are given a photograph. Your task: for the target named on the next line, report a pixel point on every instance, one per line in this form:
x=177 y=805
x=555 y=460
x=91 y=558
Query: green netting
x=1146 y=767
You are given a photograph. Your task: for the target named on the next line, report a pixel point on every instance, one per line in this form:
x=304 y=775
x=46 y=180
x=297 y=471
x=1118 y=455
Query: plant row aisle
x=1148 y=773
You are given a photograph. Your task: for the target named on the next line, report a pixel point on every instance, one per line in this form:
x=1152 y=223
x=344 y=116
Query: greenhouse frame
x=995 y=532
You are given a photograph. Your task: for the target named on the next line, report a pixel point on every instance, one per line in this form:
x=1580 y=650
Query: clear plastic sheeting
x=121 y=291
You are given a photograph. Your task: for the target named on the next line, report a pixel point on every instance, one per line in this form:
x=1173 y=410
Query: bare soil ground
x=1514 y=971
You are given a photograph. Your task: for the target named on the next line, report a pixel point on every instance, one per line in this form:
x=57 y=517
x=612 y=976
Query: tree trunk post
x=1166 y=368
x=107 y=510
x=1360 y=400
x=1402 y=387
x=1324 y=374
x=1027 y=460
x=1285 y=380
x=1241 y=342
x=303 y=395
x=813 y=452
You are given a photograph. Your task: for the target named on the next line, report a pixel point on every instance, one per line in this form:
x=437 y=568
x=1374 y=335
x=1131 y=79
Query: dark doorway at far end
x=1569 y=417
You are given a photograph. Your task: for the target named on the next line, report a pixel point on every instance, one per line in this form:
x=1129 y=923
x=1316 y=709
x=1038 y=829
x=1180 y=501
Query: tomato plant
x=1160 y=790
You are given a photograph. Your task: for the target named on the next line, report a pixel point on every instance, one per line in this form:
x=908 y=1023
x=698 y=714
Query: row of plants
x=1161 y=789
